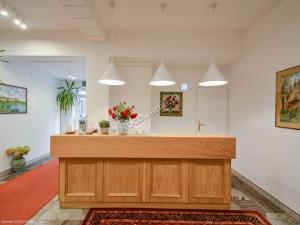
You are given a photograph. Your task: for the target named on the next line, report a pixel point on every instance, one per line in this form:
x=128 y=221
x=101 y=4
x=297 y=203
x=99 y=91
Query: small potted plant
x=104 y=126
x=18 y=161
x=82 y=123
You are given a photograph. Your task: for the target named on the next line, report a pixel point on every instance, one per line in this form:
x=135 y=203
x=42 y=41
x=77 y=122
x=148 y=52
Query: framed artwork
x=288 y=98
x=13 y=99
x=171 y=103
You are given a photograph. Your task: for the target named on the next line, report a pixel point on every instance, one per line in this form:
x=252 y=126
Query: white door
x=212 y=105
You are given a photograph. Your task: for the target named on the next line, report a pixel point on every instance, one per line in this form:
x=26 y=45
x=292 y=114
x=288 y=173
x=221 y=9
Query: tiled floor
x=51 y=214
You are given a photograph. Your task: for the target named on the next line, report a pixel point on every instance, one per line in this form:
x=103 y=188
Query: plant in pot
x=67 y=96
x=122 y=113
x=18 y=161
x=82 y=123
x=104 y=126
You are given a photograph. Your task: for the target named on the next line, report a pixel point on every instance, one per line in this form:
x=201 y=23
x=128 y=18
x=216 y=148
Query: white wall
x=266 y=155
x=137 y=91
x=146 y=98
x=177 y=48
x=42 y=119
x=188 y=122
x=66 y=44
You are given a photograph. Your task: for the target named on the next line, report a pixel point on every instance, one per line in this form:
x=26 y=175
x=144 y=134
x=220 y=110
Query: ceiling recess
x=86 y=17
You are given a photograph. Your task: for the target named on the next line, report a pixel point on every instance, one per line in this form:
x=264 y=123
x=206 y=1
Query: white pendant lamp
x=213 y=76
x=111 y=75
x=162 y=77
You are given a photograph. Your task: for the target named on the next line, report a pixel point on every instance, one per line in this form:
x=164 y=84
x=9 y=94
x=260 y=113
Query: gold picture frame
x=288 y=98
x=171 y=103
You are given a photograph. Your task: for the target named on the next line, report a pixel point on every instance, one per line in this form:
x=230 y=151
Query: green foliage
x=18 y=151
x=1 y=59
x=67 y=97
x=104 y=124
x=290 y=116
x=7 y=106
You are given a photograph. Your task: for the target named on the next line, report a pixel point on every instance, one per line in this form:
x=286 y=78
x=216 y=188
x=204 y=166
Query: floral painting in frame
x=171 y=103
x=288 y=98
x=13 y=99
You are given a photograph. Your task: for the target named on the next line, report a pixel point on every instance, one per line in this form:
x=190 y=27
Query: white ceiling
x=41 y=15
x=56 y=66
x=185 y=15
x=144 y=15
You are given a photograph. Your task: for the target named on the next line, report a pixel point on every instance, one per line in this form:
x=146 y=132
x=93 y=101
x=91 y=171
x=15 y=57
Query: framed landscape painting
x=171 y=103
x=13 y=99
x=288 y=98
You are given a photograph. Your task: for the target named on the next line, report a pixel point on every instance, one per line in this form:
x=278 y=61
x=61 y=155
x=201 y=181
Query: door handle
x=200 y=125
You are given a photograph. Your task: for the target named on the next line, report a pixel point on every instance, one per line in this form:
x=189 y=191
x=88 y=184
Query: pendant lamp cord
x=213 y=7
x=162 y=6
x=112 y=4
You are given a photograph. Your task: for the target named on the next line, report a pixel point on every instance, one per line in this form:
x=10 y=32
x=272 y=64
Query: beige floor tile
x=280 y=219
x=54 y=212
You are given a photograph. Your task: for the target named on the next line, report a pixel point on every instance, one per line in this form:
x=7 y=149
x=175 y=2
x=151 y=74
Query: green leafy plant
x=67 y=97
x=18 y=152
x=104 y=124
x=1 y=59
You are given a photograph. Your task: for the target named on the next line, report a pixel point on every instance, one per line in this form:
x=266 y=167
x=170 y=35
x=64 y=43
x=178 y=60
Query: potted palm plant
x=18 y=161
x=104 y=126
x=67 y=96
x=66 y=99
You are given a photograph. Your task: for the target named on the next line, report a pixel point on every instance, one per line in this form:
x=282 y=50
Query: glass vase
x=122 y=127
x=18 y=164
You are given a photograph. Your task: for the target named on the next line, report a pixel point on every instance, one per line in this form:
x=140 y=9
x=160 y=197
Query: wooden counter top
x=189 y=146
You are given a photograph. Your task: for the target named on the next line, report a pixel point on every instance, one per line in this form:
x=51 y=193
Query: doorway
x=212 y=110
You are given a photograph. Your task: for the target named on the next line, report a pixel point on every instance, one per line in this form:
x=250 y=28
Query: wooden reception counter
x=155 y=171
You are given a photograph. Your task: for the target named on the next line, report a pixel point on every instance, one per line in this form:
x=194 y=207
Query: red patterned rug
x=173 y=217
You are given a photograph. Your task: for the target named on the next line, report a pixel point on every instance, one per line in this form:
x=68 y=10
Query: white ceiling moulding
x=86 y=17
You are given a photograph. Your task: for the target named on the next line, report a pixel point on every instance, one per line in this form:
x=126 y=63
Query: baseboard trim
x=265 y=195
x=40 y=159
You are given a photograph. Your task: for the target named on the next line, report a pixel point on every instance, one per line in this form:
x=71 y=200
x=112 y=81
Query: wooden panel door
x=80 y=180
x=209 y=181
x=166 y=180
x=123 y=180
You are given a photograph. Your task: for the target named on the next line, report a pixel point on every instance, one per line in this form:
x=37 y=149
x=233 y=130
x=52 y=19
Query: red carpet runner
x=22 y=197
